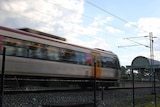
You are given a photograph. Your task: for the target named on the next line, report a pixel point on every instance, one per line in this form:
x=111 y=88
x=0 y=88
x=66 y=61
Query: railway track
x=66 y=90
x=30 y=88
x=112 y=97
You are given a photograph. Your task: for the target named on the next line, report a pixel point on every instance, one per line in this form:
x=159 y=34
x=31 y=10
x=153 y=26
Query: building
x=144 y=67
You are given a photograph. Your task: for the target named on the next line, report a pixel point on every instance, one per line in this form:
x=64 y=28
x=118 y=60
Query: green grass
x=149 y=104
x=145 y=101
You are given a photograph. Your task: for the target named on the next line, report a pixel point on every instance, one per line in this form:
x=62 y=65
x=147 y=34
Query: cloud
x=100 y=21
x=113 y=30
x=92 y=43
x=61 y=17
x=149 y=24
x=146 y=25
x=40 y=14
x=130 y=24
x=157 y=55
x=58 y=17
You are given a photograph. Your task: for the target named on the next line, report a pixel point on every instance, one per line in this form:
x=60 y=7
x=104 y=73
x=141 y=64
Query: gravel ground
x=112 y=98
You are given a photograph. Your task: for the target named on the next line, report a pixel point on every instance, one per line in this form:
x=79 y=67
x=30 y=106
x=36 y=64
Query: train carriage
x=37 y=55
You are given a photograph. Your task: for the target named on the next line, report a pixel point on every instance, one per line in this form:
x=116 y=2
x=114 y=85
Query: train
x=31 y=53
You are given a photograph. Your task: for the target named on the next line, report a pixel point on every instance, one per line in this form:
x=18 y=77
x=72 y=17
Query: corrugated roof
x=141 y=62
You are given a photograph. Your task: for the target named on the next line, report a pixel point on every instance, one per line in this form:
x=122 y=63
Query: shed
x=145 y=67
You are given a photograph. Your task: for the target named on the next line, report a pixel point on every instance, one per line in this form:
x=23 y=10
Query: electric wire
x=105 y=11
x=42 y=21
x=84 y=16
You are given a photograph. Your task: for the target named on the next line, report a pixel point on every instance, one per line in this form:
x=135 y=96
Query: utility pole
x=2 y=76
x=95 y=98
x=152 y=70
x=151 y=55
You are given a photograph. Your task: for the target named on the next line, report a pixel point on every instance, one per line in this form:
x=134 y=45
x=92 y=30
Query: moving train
x=31 y=53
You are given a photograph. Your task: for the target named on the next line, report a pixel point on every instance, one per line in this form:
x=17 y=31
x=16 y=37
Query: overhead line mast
x=152 y=71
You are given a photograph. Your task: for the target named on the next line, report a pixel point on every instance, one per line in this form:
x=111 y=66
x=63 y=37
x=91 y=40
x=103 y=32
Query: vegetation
x=145 y=101
x=123 y=73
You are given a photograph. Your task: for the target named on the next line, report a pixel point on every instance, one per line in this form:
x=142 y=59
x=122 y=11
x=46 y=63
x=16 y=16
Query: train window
x=117 y=65
x=103 y=61
x=82 y=58
x=10 y=49
x=14 y=47
x=88 y=59
x=76 y=57
x=43 y=51
x=36 y=50
x=20 y=48
x=79 y=58
x=110 y=62
x=67 y=55
x=32 y=50
x=107 y=62
x=53 y=53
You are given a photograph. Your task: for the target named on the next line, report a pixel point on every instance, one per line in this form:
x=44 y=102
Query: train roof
x=36 y=35
x=42 y=33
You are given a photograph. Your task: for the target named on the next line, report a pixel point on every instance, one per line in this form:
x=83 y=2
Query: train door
x=96 y=58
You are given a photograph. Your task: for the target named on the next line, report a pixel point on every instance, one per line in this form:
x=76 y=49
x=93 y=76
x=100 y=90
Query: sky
x=114 y=25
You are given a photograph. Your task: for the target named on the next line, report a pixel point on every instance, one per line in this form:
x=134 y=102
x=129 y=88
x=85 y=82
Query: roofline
x=42 y=33
x=155 y=62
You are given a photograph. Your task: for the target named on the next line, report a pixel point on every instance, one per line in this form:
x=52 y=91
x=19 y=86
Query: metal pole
x=102 y=94
x=152 y=67
x=133 y=91
x=2 y=76
x=155 y=95
x=151 y=58
x=95 y=84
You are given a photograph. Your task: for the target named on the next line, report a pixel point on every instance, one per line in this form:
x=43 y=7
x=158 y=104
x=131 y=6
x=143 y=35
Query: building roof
x=144 y=62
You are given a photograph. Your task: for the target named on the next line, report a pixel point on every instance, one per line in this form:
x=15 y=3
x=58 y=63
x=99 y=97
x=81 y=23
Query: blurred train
x=38 y=54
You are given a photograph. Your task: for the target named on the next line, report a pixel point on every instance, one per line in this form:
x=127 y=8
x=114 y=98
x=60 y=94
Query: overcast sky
x=92 y=23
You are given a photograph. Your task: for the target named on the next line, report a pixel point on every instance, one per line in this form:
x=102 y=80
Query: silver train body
x=29 y=54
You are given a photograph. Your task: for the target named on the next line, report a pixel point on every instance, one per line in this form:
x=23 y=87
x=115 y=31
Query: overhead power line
x=137 y=42
x=132 y=46
x=106 y=11
x=123 y=20
x=61 y=7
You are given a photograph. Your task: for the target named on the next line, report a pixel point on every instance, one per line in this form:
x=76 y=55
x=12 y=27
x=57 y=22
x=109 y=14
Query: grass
x=149 y=104
x=145 y=101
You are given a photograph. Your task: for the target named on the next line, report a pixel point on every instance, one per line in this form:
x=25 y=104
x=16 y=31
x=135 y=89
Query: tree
x=123 y=73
